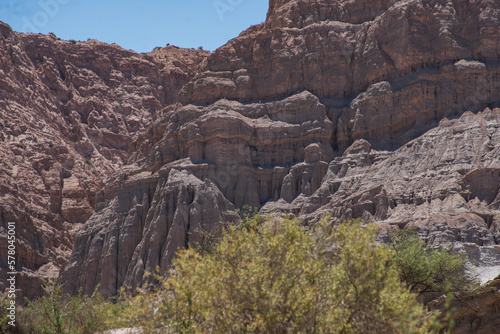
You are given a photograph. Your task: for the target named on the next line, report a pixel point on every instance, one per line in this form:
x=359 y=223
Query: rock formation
x=475 y=312
x=385 y=73
x=380 y=110
x=69 y=112
x=445 y=183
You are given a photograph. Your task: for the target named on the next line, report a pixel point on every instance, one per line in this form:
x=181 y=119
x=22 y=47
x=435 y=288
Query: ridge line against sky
x=137 y=25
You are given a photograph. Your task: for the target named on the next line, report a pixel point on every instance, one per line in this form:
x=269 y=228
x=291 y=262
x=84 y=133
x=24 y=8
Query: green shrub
x=282 y=278
x=55 y=313
x=5 y=327
x=425 y=269
x=250 y=216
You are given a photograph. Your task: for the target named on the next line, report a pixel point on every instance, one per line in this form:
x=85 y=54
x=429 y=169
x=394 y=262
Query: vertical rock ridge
x=69 y=112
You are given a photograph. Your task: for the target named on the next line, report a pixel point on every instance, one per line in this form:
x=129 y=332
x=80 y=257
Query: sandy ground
x=123 y=331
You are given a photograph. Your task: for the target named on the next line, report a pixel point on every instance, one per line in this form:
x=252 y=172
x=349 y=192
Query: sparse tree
x=427 y=269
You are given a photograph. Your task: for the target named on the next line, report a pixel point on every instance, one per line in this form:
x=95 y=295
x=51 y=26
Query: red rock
x=68 y=114
x=365 y=109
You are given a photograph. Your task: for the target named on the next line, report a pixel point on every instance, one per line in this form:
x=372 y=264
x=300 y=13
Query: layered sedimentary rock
x=216 y=141
x=386 y=70
x=68 y=114
x=445 y=183
x=382 y=110
x=170 y=211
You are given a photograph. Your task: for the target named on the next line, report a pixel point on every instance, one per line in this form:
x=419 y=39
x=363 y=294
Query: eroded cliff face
x=386 y=71
x=69 y=112
x=445 y=183
x=383 y=110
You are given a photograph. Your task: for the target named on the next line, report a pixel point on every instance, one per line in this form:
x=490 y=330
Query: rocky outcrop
x=380 y=110
x=220 y=163
x=386 y=71
x=69 y=112
x=453 y=168
x=120 y=244
x=173 y=209
x=247 y=149
x=299 y=14
x=444 y=183
x=475 y=312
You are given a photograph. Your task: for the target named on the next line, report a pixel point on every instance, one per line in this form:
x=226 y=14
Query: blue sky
x=134 y=24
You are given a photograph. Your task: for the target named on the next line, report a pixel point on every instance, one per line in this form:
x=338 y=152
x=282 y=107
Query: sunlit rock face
x=381 y=110
x=69 y=112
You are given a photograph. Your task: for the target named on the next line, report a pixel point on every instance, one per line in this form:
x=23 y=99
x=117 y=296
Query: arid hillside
x=69 y=112
x=382 y=110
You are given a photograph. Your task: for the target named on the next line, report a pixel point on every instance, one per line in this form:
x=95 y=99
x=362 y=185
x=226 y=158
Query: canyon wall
x=69 y=112
x=380 y=110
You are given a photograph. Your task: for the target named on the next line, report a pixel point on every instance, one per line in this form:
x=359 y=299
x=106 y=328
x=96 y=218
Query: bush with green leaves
x=5 y=327
x=56 y=313
x=427 y=269
x=280 y=277
x=250 y=217
x=207 y=240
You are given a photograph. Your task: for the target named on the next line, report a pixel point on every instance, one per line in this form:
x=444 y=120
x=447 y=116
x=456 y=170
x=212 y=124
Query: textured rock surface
x=68 y=114
x=221 y=168
x=382 y=110
x=122 y=243
x=477 y=312
x=445 y=183
x=385 y=72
